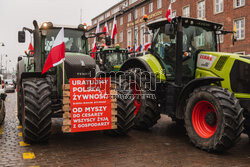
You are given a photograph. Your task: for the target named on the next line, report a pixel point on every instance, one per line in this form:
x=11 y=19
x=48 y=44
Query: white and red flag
x=94 y=46
x=31 y=48
x=114 y=29
x=105 y=29
x=169 y=13
x=57 y=53
x=146 y=46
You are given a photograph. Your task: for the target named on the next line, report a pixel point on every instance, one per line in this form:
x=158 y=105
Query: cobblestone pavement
x=164 y=145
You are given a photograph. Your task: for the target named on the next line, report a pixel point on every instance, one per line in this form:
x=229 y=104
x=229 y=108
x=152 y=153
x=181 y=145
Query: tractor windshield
x=115 y=58
x=197 y=38
x=74 y=41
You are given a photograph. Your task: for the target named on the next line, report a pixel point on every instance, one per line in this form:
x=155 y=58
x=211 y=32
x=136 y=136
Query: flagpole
x=63 y=73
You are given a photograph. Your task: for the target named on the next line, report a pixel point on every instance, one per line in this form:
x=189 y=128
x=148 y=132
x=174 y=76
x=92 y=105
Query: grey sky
x=15 y=14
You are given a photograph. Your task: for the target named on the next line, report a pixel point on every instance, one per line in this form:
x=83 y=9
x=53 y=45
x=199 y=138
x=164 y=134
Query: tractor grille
x=240 y=77
x=221 y=62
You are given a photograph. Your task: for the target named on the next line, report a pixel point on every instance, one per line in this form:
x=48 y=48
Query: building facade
x=230 y=13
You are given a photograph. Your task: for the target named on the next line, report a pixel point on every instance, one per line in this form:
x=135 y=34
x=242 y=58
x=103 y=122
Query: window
x=159 y=4
x=101 y=18
x=136 y=13
x=218 y=6
x=129 y=37
x=129 y=17
x=107 y=14
x=132 y=1
x=143 y=11
x=94 y=21
x=173 y=14
x=115 y=10
x=240 y=28
x=121 y=36
x=121 y=21
x=173 y=1
x=186 y=11
x=201 y=9
x=136 y=36
x=109 y=26
x=150 y=7
x=239 y=3
x=142 y=36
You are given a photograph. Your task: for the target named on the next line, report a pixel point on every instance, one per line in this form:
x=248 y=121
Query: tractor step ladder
x=66 y=128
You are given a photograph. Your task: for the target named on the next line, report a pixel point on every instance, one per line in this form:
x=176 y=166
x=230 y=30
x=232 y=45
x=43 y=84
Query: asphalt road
x=166 y=144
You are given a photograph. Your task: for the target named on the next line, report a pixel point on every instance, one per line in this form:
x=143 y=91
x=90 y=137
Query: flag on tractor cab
x=131 y=49
x=94 y=46
x=57 y=53
x=31 y=48
x=114 y=29
x=105 y=29
x=169 y=13
x=146 y=46
x=94 y=50
x=138 y=49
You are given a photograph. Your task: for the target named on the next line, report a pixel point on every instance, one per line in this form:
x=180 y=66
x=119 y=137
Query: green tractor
x=111 y=59
x=186 y=78
x=39 y=97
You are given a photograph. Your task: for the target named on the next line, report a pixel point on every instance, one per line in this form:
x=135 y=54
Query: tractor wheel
x=213 y=118
x=146 y=113
x=247 y=126
x=36 y=110
x=2 y=112
x=19 y=104
x=125 y=109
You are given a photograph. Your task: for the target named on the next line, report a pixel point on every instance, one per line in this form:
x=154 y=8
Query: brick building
x=226 y=12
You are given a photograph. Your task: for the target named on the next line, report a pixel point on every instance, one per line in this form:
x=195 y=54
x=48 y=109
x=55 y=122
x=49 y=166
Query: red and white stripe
x=57 y=53
x=105 y=29
x=169 y=13
x=146 y=46
x=114 y=29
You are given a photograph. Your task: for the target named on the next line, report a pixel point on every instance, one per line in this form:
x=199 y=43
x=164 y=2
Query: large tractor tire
x=2 y=111
x=36 y=110
x=247 y=126
x=20 y=70
x=125 y=108
x=213 y=119
x=146 y=113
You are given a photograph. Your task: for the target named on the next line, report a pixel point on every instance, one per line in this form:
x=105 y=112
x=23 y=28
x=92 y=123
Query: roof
x=186 y=20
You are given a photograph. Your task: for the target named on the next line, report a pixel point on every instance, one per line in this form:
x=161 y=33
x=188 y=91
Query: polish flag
x=138 y=49
x=146 y=46
x=57 y=53
x=131 y=49
x=114 y=29
x=94 y=46
x=105 y=29
x=31 y=48
x=169 y=13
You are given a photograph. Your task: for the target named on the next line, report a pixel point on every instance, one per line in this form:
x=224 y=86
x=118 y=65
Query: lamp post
x=1 y=44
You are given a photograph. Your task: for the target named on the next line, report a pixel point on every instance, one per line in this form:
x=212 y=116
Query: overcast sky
x=15 y=14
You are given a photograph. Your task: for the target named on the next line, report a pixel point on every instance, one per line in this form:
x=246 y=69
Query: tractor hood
x=234 y=68
x=79 y=65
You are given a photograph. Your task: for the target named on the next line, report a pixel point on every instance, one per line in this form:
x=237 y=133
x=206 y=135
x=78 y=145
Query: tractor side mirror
x=21 y=36
x=169 y=29
x=108 y=40
x=19 y=58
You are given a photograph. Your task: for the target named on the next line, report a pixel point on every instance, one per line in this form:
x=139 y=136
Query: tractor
x=187 y=78
x=111 y=58
x=39 y=97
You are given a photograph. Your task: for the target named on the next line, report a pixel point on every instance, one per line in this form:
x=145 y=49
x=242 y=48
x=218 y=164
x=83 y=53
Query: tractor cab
x=111 y=59
x=178 y=43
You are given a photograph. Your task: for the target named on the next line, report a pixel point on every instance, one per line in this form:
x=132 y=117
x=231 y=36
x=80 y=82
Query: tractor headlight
x=47 y=25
